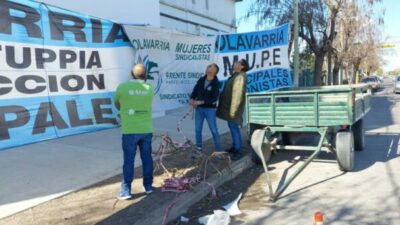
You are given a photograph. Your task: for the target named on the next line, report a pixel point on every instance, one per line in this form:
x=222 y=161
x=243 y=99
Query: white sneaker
x=124 y=196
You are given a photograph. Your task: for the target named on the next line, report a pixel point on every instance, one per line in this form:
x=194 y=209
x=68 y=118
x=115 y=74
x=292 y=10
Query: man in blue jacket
x=204 y=98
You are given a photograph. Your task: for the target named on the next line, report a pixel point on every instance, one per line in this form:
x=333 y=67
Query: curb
x=190 y=198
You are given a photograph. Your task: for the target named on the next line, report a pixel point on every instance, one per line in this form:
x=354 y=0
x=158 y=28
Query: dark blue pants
x=210 y=115
x=236 y=136
x=130 y=142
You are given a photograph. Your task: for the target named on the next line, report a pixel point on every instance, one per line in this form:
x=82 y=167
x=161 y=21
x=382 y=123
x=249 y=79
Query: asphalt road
x=368 y=195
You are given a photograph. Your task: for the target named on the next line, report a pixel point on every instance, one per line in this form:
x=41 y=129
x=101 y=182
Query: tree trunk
x=354 y=75
x=330 y=78
x=319 y=62
x=356 y=68
x=335 y=73
x=346 y=73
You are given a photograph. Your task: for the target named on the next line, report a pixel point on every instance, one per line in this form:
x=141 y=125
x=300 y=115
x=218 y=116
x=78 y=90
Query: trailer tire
x=260 y=145
x=255 y=158
x=345 y=150
x=359 y=139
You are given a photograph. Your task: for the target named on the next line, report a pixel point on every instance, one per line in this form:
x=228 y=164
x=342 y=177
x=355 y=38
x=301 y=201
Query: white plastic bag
x=233 y=207
x=219 y=217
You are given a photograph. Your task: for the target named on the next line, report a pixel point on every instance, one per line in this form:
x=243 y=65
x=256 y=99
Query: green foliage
x=307 y=60
x=379 y=72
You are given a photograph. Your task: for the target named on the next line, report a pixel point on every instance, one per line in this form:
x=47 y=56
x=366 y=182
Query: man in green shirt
x=134 y=101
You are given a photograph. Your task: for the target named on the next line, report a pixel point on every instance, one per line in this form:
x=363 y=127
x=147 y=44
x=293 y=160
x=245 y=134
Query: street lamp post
x=296 y=60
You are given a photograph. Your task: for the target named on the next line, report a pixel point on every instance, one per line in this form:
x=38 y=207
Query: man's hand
x=117 y=105
x=199 y=103
x=195 y=102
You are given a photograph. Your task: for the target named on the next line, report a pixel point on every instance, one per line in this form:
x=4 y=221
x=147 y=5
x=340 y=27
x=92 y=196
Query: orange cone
x=318 y=218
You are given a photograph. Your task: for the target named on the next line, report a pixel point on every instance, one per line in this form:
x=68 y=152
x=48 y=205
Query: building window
x=207 y=5
x=194 y=1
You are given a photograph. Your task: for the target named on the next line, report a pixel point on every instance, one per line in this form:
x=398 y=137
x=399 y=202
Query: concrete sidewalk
x=36 y=173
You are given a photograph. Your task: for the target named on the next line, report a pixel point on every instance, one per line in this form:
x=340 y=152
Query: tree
x=379 y=71
x=307 y=60
x=347 y=27
x=317 y=24
x=356 y=45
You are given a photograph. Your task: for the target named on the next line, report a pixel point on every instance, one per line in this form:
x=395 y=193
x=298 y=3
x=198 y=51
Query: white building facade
x=198 y=16
x=188 y=16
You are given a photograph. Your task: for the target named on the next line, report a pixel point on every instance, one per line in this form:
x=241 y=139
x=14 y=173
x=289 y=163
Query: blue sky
x=392 y=17
x=390 y=31
x=241 y=9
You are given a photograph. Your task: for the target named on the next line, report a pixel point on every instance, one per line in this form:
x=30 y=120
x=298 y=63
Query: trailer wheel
x=261 y=147
x=358 y=131
x=345 y=150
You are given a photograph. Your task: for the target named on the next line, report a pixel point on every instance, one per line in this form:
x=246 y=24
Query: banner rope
x=180 y=183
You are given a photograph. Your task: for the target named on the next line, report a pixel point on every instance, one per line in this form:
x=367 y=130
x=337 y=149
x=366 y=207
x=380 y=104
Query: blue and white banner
x=266 y=52
x=59 y=69
x=58 y=72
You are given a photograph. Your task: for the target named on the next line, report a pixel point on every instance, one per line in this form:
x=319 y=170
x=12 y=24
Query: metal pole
x=296 y=60
x=282 y=188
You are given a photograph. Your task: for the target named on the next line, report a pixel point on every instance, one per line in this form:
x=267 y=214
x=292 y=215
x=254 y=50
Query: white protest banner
x=266 y=52
x=174 y=62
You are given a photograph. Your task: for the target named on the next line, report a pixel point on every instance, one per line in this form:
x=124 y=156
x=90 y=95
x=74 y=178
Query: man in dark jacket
x=204 y=98
x=231 y=105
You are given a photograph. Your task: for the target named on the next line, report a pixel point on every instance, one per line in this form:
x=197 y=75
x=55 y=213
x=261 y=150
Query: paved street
x=62 y=61
x=368 y=195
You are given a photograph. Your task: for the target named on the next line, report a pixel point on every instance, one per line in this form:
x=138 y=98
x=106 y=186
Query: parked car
x=380 y=80
x=396 y=84
x=373 y=81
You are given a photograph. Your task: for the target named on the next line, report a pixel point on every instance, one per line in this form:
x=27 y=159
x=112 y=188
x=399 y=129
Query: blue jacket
x=207 y=94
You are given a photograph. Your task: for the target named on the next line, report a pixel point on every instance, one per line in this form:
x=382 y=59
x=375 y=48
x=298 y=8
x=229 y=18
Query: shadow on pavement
x=380 y=114
x=379 y=148
x=250 y=183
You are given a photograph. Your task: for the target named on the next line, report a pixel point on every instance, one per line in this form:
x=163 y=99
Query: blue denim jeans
x=210 y=115
x=236 y=136
x=130 y=142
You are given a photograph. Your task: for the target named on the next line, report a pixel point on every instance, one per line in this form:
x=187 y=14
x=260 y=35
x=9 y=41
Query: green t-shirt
x=135 y=98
